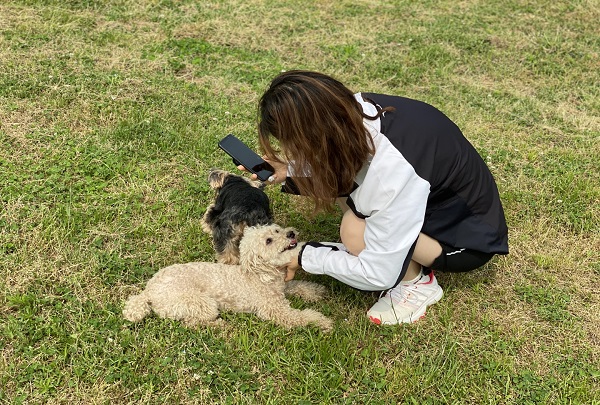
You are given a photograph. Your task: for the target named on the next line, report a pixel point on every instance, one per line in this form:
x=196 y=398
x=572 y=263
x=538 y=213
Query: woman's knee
x=352 y=232
x=426 y=250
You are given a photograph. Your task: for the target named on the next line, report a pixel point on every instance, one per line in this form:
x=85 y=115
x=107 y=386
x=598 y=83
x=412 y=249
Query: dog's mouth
x=292 y=245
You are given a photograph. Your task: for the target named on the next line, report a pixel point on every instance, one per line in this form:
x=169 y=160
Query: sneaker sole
x=415 y=316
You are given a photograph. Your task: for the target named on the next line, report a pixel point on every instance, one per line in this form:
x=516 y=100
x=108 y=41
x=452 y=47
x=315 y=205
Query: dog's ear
x=250 y=247
x=216 y=178
x=255 y=252
x=246 y=256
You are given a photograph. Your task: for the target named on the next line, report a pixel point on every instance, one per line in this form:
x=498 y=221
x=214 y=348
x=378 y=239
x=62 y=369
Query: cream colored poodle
x=195 y=292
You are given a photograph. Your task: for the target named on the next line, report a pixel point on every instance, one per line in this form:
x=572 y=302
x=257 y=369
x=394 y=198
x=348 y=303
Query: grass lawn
x=110 y=113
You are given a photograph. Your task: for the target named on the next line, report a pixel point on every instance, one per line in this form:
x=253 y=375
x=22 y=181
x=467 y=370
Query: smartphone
x=246 y=157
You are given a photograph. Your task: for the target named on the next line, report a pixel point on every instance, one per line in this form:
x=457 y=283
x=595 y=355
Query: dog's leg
x=230 y=254
x=227 y=243
x=136 y=308
x=191 y=308
x=306 y=290
x=208 y=219
x=282 y=314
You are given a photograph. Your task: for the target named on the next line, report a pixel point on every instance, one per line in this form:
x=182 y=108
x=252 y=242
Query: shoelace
x=404 y=292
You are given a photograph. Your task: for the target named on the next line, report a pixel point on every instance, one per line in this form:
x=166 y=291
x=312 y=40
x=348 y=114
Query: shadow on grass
x=467 y=280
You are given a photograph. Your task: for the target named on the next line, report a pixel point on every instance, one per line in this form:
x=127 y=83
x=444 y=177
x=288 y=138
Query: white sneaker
x=407 y=302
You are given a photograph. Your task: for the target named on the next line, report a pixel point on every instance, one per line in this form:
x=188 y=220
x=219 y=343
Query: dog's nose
x=291 y=235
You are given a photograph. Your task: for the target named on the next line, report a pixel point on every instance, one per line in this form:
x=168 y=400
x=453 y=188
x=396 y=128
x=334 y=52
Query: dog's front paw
x=326 y=325
x=306 y=290
x=320 y=320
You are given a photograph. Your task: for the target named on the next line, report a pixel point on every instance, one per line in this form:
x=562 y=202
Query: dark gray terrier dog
x=239 y=202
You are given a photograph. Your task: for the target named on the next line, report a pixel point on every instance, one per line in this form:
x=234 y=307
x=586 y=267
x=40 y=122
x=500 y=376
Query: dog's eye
x=269 y=240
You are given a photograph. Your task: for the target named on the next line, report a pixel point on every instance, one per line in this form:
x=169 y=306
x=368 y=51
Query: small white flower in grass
x=196 y=376
x=559 y=201
x=227 y=113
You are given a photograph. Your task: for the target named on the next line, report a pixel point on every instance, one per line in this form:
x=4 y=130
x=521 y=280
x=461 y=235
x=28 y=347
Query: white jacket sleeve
x=393 y=199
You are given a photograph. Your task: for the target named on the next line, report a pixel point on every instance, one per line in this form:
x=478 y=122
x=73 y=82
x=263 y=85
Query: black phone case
x=245 y=156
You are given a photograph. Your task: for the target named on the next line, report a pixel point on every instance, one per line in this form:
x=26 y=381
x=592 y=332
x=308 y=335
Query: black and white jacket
x=424 y=177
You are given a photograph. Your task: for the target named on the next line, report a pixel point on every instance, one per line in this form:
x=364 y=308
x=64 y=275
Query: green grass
x=110 y=112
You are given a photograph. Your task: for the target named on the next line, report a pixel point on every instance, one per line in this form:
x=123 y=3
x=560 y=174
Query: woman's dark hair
x=319 y=126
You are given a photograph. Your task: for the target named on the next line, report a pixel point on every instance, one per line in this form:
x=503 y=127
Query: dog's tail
x=136 y=308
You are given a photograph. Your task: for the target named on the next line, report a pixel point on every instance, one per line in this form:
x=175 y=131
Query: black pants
x=456 y=260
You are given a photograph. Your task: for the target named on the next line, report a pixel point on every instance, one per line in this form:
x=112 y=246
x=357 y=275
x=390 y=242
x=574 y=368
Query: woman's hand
x=291 y=269
x=278 y=177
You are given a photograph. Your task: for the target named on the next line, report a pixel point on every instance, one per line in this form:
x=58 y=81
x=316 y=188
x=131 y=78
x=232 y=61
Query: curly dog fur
x=239 y=202
x=195 y=293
